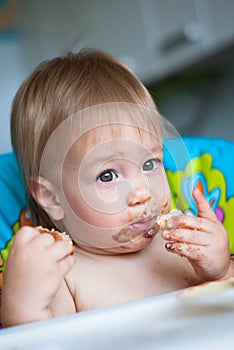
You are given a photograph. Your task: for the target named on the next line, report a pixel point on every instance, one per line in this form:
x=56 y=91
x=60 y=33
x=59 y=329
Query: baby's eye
x=107 y=176
x=150 y=164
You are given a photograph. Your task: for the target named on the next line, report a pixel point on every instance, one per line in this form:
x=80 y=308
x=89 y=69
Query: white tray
x=195 y=318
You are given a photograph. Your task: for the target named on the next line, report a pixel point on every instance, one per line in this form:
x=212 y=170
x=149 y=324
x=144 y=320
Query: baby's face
x=113 y=189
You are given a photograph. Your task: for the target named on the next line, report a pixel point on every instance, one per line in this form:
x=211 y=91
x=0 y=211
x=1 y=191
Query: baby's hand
x=203 y=240
x=35 y=269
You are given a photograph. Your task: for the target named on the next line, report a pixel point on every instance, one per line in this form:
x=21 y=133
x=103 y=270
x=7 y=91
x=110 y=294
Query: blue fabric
x=12 y=195
x=222 y=152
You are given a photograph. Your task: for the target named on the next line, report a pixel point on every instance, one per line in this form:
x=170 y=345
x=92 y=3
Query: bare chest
x=119 y=282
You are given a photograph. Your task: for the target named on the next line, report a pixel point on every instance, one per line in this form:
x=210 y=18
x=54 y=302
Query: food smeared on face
x=146 y=227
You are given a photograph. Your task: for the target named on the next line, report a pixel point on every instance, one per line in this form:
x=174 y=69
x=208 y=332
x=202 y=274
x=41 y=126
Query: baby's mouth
x=145 y=226
x=142 y=225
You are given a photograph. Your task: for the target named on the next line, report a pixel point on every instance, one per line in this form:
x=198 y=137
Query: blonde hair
x=55 y=90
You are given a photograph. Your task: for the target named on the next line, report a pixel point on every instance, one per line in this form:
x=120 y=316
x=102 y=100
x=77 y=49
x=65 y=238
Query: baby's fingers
x=195 y=223
x=203 y=207
x=62 y=251
x=30 y=236
x=66 y=264
x=187 y=236
x=190 y=251
x=25 y=235
x=59 y=250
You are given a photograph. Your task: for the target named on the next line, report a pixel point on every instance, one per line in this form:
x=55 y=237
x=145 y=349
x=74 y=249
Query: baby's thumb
x=203 y=207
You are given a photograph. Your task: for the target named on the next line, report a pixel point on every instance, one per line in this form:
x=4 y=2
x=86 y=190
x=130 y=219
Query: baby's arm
x=203 y=240
x=35 y=269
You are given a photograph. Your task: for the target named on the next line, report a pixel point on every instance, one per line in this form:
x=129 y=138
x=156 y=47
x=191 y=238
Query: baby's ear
x=44 y=193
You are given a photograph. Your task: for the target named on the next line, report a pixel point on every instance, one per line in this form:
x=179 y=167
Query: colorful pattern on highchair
x=210 y=169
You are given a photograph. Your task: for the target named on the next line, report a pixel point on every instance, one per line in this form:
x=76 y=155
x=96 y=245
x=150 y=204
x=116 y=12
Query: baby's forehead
x=116 y=127
x=97 y=124
x=119 y=114
x=115 y=142
x=114 y=131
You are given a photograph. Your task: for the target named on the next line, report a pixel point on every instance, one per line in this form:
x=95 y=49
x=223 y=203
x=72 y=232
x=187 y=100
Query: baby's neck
x=100 y=254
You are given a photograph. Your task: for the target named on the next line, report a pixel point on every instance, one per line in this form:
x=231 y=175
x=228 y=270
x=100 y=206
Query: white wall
x=49 y=28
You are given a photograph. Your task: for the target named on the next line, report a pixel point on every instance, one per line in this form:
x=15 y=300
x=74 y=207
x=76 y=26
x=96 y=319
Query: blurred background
x=182 y=50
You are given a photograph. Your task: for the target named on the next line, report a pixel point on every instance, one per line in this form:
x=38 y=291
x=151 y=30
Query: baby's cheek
x=166 y=202
x=166 y=206
x=167 y=188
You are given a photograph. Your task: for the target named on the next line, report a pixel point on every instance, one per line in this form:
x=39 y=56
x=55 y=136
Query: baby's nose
x=140 y=194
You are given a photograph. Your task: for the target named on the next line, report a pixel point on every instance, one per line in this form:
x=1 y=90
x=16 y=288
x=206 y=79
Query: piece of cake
x=163 y=219
x=58 y=236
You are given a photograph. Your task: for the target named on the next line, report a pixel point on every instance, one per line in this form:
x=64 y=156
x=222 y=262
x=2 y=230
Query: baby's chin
x=138 y=244
x=130 y=247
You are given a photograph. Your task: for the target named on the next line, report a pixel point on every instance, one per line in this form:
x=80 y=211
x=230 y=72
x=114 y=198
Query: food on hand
x=58 y=236
x=163 y=219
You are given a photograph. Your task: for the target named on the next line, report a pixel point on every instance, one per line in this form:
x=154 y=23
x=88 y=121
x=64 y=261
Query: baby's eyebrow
x=114 y=155
x=110 y=154
x=156 y=149
x=105 y=157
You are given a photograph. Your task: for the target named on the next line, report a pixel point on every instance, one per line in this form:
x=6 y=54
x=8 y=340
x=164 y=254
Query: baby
x=88 y=137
